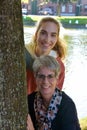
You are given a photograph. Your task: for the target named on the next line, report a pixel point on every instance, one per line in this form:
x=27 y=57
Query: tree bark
x=13 y=93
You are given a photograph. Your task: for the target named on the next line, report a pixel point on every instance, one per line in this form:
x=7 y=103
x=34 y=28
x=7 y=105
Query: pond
x=75 y=84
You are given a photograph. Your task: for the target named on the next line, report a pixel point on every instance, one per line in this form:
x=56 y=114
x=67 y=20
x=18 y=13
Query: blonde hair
x=60 y=46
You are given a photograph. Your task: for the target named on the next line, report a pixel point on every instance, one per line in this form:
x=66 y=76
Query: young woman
x=46 y=41
x=50 y=108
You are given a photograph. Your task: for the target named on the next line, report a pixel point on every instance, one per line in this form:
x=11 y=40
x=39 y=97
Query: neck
x=38 y=52
x=46 y=104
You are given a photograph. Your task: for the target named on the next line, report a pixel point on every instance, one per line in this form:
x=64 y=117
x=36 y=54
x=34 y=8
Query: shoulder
x=31 y=98
x=68 y=108
x=59 y=60
x=31 y=107
x=27 y=53
x=61 y=63
x=67 y=100
x=31 y=48
x=29 y=60
x=67 y=114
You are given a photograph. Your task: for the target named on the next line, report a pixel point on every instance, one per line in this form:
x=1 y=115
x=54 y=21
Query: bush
x=73 y=20
x=28 y=21
x=76 y=22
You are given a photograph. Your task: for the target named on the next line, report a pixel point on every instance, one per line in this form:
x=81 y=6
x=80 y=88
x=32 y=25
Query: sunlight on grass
x=83 y=123
x=25 y=1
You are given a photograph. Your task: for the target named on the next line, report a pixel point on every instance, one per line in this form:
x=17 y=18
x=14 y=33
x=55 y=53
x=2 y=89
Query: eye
x=50 y=76
x=43 y=77
x=40 y=76
x=54 y=35
x=43 y=32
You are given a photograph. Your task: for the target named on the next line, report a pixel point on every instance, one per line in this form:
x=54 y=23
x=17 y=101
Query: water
x=76 y=69
x=75 y=84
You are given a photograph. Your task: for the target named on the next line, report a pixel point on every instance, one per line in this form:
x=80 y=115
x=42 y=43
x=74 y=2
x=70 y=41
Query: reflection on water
x=75 y=83
x=76 y=69
x=28 y=34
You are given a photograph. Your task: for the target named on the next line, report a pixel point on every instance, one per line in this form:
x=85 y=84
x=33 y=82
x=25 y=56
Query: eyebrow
x=46 y=31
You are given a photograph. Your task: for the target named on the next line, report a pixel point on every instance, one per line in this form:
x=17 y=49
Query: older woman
x=50 y=108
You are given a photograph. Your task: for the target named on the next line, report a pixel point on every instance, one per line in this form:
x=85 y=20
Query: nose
x=45 y=79
x=48 y=38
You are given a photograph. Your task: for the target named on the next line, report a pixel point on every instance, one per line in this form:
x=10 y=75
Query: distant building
x=26 y=5
x=83 y=7
x=69 y=9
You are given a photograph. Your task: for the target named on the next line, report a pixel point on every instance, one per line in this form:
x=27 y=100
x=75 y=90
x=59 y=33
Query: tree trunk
x=13 y=96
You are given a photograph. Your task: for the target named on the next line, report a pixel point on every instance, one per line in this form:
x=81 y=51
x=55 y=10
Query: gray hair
x=46 y=61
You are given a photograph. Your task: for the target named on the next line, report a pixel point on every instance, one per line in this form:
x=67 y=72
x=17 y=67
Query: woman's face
x=46 y=82
x=46 y=37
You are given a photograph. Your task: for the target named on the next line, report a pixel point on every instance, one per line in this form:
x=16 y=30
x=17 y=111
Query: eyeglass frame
x=49 y=77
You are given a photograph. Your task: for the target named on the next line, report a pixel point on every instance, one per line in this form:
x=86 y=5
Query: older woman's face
x=46 y=82
x=46 y=37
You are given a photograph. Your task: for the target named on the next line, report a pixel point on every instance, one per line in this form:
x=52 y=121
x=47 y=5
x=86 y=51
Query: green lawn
x=83 y=123
x=82 y=20
x=25 y=1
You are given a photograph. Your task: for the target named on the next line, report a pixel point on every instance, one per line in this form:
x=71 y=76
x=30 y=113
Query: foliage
x=73 y=1
x=67 y=20
x=28 y=21
x=63 y=1
x=82 y=20
x=83 y=123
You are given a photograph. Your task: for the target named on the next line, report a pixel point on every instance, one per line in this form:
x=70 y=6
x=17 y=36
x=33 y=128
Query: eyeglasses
x=49 y=77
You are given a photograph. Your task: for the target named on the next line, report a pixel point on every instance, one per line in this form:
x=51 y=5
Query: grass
x=25 y=1
x=82 y=20
x=83 y=123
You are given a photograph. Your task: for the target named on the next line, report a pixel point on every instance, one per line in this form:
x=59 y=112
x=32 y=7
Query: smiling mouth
x=46 y=45
x=45 y=87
